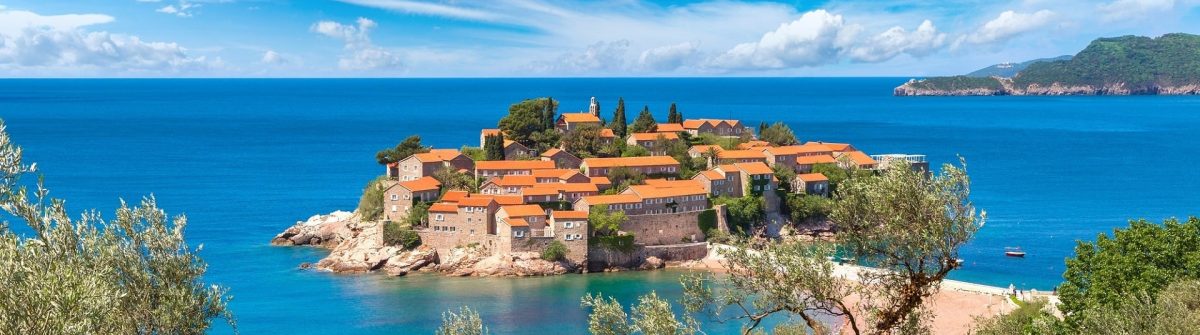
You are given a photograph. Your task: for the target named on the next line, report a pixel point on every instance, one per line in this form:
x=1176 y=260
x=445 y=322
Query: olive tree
x=465 y=322
x=133 y=274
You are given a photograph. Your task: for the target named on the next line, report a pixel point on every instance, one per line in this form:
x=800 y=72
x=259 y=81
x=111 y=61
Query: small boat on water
x=1014 y=252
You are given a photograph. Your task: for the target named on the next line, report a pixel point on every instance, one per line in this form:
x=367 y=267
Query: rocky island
x=1128 y=65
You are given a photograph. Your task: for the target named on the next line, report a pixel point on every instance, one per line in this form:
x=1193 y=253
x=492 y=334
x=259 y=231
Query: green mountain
x=1008 y=70
x=1169 y=64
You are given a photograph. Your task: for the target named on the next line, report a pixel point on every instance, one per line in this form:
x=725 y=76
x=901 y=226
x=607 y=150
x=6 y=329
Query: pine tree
x=645 y=122
x=761 y=127
x=619 y=124
x=548 y=114
x=673 y=115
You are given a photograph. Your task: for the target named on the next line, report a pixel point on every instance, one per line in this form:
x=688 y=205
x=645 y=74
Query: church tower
x=594 y=108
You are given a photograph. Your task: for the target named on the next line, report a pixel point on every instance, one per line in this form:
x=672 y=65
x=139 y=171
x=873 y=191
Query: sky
x=557 y=38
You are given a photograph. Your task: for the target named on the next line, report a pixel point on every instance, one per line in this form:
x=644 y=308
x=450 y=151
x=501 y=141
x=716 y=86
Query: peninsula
x=547 y=193
x=1128 y=65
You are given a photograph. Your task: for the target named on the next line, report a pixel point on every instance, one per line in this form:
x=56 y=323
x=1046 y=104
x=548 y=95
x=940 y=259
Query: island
x=547 y=193
x=1127 y=65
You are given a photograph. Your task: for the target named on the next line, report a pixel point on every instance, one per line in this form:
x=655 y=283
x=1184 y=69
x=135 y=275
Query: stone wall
x=660 y=229
x=443 y=241
x=600 y=258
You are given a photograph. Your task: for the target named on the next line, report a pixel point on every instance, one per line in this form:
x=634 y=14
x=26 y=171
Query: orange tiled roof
x=535 y=191
x=607 y=133
x=476 y=202
x=612 y=199
x=742 y=154
x=516 y=222
x=511 y=142
x=703 y=148
x=551 y=173
x=812 y=177
x=523 y=210
x=569 y=214
x=653 y=136
x=711 y=174
x=426 y=183
x=551 y=152
x=807 y=148
x=859 y=158
x=437 y=155
x=753 y=144
x=842 y=147
x=651 y=191
x=489 y=132
x=454 y=196
x=443 y=207
x=695 y=124
x=669 y=127
x=600 y=180
x=511 y=180
x=818 y=159
x=513 y=165
x=579 y=117
x=755 y=168
x=629 y=161
x=501 y=200
x=670 y=183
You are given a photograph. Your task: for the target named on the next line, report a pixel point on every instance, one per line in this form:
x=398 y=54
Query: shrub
x=717 y=236
x=707 y=220
x=804 y=207
x=403 y=236
x=370 y=205
x=556 y=251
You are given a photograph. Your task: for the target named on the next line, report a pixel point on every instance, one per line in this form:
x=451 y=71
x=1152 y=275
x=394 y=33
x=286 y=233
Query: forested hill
x=1169 y=64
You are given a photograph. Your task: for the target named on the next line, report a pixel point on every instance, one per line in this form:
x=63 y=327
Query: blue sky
x=557 y=38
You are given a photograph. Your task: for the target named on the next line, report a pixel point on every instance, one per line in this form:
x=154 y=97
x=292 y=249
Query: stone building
x=399 y=197
x=425 y=164
x=650 y=166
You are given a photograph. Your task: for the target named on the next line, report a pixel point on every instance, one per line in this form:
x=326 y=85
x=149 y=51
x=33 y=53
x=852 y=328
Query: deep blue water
x=246 y=158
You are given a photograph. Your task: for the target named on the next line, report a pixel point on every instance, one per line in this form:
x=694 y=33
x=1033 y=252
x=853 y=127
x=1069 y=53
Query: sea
x=244 y=159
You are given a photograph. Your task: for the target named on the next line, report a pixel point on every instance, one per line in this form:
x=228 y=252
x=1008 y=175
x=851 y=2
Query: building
x=425 y=164
x=740 y=156
x=561 y=158
x=669 y=128
x=812 y=184
x=729 y=128
x=565 y=176
x=650 y=166
x=607 y=136
x=787 y=155
x=569 y=121
x=570 y=227
x=514 y=150
x=720 y=182
x=669 y=198
x=542 y=193
x=805 y=164
x=648 y=141
x=917 y=162
x=503 y=168
x=507 y=185
x=703 y=150
x=399 y=197
x=855 y=159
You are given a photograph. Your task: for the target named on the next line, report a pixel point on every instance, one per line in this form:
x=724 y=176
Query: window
x=519 y=233
x=569 y=237
x=407 y=196
x=395 y=197
x=470 y=209
x=439 y=217
x=578 y=237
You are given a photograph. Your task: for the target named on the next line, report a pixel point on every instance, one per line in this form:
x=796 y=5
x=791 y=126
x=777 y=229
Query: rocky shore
x=1006 y=87
x=357 y=246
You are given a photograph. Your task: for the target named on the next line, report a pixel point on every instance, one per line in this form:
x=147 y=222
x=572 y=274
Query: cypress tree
x=548 y=114
x=644 y=123
x=619 y=124
x=761 y=127
x=493 y=147
x=673 y=115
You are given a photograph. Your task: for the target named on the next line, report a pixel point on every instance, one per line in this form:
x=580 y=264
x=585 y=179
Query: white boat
x=1014 y=252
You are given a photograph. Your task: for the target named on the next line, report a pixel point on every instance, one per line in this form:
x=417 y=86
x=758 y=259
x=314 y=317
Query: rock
x=305 y=266
x=476 y=261
x=651 y=263
x=318 y=230
x=403 y=263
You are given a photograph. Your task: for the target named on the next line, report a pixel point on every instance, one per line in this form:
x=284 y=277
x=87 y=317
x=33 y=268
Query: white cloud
x=599 y=56
x=57 y=44
x=1134 y=9
x=270 y=57
x=425 y=8
x=819 y=37
x=669 y=57
x=182 y=9
x=359 y=53
x=1010 y=24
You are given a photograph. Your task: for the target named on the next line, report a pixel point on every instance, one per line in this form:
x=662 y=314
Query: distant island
x=1127 y=65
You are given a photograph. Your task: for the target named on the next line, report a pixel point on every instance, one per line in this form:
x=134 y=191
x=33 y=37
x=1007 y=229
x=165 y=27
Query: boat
x=1014 y=252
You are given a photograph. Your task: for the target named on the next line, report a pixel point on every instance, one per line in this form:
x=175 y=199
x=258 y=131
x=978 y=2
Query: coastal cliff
x=357 y=246
x=1128 y=65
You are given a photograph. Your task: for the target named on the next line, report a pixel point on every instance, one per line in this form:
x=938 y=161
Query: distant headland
x=1127 y=65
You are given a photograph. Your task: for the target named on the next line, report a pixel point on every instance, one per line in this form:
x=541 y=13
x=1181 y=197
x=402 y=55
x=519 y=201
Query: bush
x=556 y=251
x=707 y=220
x=804 y=207
x=370 y=205
x=717 y=236
x=403 y=236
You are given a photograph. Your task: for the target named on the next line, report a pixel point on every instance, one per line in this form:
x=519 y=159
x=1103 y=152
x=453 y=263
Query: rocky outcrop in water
x=478 y=262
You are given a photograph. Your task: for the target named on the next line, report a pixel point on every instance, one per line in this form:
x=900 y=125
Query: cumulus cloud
x=270 y=57
x=1133 y=9
x=669 y=57
x=30 y=42
x=182 y=9
x=1010 y=24
x=599 y=56
x=360 y=53
x=820 y=37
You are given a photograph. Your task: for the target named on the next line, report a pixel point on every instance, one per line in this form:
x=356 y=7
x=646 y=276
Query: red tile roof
x=512 y=180
x=859 y=158
x=754 y=144
x=523 y=210
x=607 y=133
x=476 y=202
x=513 y=165
x=641 y=137
x=437 y=155
x=569 y=214
x=454 y=196
x=754 y=168
x=516 y=222
x=652 y=192
x=818 y=159
x=808 y=148
x=612 y=199
x=579 y=117
x=443 y=207
x=742 y=154
x=669 y=127
x=812 y=177
x=421 y=184
x=629 y=161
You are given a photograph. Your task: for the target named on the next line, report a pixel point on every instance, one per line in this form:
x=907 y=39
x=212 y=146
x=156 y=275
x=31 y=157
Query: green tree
x=583 y=141
x=370 y=204
x=802 y=207
x=604 y=222
x=524 y=120
x=546 y=139
x=1032 y=317
x=744 y=213
x=408 y=147
x=762 y=127
x=417 y=215
x=549 y=113
x=673 y=115
x=778 y=134
x=556 y=251
x=652 y=315
x=476 y=154
x=455 y=180
x=133 y=274
x=394 y=233
x=619 y=124
x=644 y=123
x=1175 y=310
x=1141 y=259
x=834 y=173
x=493 y=147
x=622 y=177
x=465 y=322
x=635 y=151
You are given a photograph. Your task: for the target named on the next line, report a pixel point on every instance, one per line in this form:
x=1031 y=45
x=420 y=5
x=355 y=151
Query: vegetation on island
x=132 y=274
x=618 y=124
x=556 y=251
x=531 y=123
x=778 y=134
x=644 y=123
x=370 y=204
x=465 y=322
x=585 y=142
x=673 y=114
x=407 y=147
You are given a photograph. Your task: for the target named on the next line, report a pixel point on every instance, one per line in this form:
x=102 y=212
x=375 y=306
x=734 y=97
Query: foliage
x=133 y=274
x=622 y=177
x=652 y=315
x=583 y=141
x=955 y=83
x=622 y=243
x=744 y=213
x=644 y=123
x=802 y=207
x=707 y=220
x=786 y=175
x=546 y=139
x=525 y=123
x=408 y=147
x=717 y=236
x=455 y=180
x=476 y=154
x=727 y=143
x=1030 y=318
x=465 y=322
x=613 y=149
x=493 y=147
x=556 y=251
x=370 y=204
x=394 y=233
x=779 y=134
x=834 y=173
x=604 y=222
x=417 y=214
x=1141 y=259
x=912 y=224
x=673 y=115
x=635 y=151
x=619 y=124
x=1174 y=310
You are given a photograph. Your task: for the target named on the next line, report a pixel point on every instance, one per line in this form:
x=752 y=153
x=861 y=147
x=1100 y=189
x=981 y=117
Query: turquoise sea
x=244 y=159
